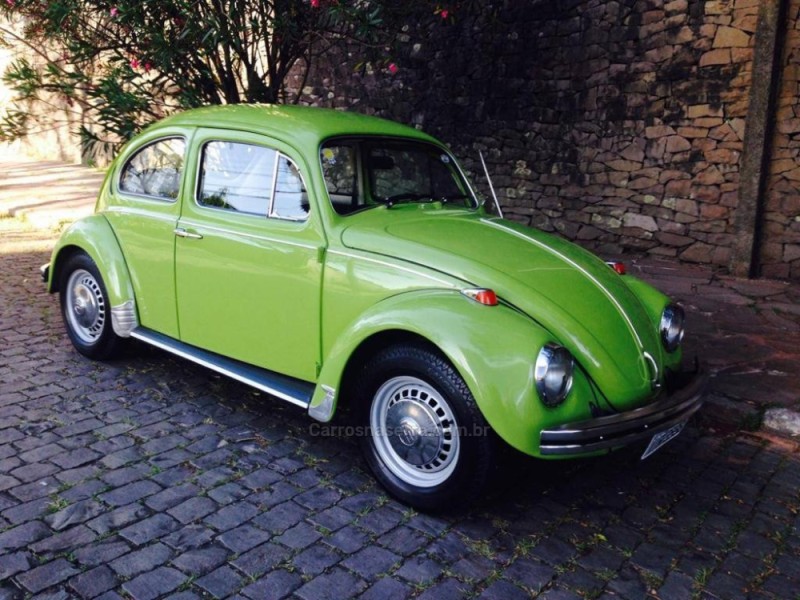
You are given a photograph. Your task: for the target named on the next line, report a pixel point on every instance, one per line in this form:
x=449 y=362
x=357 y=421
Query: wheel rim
x=414 y=431
x=86 y=307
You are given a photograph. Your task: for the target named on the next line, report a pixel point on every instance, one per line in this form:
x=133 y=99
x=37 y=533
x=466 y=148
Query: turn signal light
x=481 y=295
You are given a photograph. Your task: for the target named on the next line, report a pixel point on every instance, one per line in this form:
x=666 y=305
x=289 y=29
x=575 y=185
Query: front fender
x=494 y=349
x=94 y=236
x=654 y=303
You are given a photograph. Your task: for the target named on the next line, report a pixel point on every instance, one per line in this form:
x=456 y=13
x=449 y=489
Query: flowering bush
x=122 y=66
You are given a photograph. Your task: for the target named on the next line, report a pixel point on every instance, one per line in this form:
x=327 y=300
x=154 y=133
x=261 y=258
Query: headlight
x=672 y=327
x=553 y=374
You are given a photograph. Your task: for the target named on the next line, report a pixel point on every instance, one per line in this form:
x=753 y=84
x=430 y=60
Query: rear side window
x=251 y=179
x=155 y=170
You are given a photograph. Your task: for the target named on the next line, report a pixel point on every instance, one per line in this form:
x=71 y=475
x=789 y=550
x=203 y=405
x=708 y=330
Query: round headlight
x=671 y=327
x=553 y=374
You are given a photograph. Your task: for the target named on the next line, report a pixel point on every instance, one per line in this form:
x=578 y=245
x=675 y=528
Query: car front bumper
x=684 y=397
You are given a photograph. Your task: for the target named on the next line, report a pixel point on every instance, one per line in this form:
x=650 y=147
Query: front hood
x=583 y=303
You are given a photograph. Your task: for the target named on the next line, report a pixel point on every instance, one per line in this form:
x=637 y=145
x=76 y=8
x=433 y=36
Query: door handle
x=181 y=232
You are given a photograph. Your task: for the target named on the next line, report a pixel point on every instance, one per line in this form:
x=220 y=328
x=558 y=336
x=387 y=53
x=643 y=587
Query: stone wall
x=617 y=123
x=780 y=242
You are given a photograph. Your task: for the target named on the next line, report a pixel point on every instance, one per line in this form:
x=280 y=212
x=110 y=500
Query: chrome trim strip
x=398 y=267
x=143 y=336
x=275 y=166
x=614 y=431
x=123 y=318
x=191 y=223
x=654 y=384
x=568 y=260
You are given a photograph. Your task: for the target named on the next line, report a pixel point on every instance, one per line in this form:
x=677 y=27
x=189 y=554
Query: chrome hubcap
x=86 y=308
x=414 y=431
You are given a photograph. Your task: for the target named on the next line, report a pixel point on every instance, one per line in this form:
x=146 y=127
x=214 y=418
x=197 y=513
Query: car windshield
x=361 y=173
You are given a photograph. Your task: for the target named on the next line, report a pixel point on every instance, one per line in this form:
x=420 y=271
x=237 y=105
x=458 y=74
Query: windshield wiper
x=406 y=197
x=415 y=197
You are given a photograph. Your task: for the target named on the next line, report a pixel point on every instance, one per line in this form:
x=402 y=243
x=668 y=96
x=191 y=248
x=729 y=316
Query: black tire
x=421 y=387
x=86 y=309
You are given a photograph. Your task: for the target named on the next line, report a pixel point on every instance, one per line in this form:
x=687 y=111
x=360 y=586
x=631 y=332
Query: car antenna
x=491 y=187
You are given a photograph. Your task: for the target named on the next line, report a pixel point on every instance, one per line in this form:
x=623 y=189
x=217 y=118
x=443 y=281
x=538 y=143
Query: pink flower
x=114 y=11
x=10 y=2
x=392 y=68
x=445 y=13
x=147 y=67
x=314 y=3
x=134 y=63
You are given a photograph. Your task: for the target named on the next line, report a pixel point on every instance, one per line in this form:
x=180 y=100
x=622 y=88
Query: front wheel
x=425 y=440
x=86 y=309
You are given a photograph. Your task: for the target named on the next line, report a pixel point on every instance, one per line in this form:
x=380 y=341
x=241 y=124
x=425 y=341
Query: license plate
x=662 y=438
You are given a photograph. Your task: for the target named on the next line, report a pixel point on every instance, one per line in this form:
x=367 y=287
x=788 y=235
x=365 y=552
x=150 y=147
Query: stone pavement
x=47 y=193
x=149 y=477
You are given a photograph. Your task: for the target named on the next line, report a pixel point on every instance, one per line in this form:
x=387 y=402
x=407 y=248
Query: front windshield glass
x=360 y=173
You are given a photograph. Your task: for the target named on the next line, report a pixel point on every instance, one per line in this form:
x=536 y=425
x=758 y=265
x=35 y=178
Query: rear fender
x=94 y=236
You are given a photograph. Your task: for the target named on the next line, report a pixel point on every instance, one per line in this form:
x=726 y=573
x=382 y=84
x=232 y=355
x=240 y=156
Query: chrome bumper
x=614 y=431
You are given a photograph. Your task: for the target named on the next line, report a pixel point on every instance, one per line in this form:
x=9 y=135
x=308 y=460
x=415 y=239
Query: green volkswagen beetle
x=339 y=261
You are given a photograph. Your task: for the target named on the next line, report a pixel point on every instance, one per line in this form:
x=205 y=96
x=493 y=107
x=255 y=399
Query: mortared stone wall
x=780 y=240
x=615 y=123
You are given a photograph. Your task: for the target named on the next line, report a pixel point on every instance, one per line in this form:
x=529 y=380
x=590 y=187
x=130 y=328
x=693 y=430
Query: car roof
x=305 y=124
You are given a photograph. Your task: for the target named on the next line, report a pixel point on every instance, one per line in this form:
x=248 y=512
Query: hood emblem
x=652 y=366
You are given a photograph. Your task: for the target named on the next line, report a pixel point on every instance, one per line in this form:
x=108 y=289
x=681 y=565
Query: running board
x=292 y=390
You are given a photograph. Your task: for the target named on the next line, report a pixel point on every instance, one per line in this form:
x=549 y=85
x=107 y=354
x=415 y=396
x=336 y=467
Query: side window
x=291 y=198
x=236 y=176
x=251 y=179
x=155 y=170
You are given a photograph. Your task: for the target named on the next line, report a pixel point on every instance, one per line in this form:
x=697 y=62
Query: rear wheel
x=426 y=440
x=86 y=308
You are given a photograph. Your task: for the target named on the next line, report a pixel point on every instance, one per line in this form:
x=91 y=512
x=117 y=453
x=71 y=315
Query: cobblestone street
x=149 y=477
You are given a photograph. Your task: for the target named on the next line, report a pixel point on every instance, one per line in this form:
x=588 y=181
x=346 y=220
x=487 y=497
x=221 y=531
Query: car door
x=143 y=214
x=248 y=254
